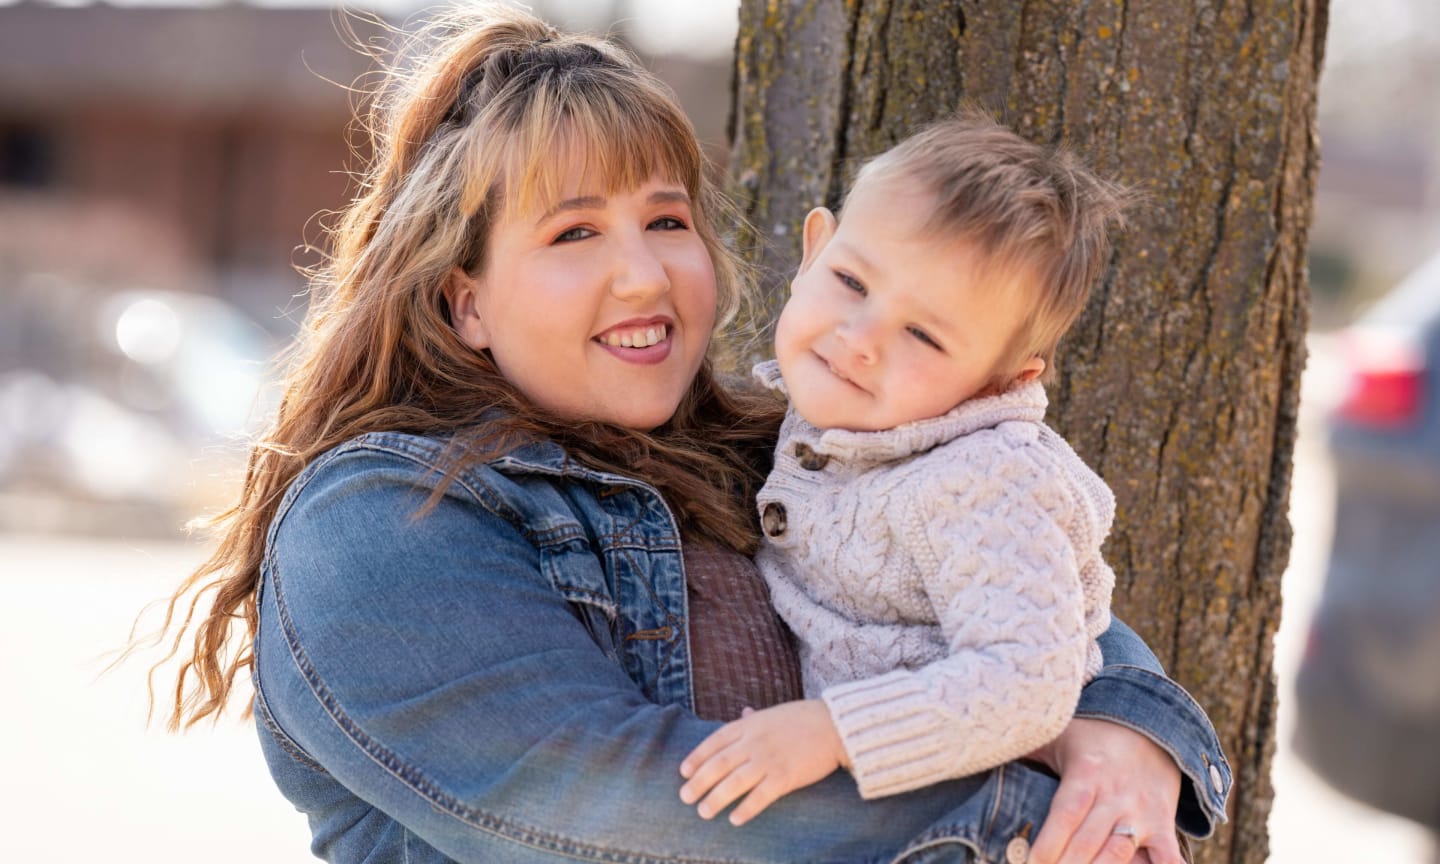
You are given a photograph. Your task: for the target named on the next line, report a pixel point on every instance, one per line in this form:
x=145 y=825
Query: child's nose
x=861 y=336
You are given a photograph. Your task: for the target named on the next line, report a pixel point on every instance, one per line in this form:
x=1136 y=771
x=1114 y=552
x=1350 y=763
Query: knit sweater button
x=809 y=459
x=772 y=519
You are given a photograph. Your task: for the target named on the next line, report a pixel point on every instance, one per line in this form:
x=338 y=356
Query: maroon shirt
x=741 y=653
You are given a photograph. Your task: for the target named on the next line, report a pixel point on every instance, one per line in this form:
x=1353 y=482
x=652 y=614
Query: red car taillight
x=1387 y=379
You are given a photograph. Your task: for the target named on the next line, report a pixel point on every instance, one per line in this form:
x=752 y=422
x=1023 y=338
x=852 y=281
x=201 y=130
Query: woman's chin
x=640 y=415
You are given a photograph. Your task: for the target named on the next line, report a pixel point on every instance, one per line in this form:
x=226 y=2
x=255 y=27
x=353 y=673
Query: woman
x=474 y=631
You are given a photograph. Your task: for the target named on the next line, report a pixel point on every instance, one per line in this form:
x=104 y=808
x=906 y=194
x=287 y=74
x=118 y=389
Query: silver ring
x=1125 y=831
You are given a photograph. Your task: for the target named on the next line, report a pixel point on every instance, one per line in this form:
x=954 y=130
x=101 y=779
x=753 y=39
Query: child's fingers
x=744 y=778
x=713 y=743
x=767 y=792
x=710 y=772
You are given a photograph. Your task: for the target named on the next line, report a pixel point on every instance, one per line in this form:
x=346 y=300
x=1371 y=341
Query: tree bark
x=1180 y=382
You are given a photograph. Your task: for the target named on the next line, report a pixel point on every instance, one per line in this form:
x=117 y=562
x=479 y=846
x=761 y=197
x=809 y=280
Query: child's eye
x=669 y=223
x=924 y=337
x=850 y=282
x=570 y=235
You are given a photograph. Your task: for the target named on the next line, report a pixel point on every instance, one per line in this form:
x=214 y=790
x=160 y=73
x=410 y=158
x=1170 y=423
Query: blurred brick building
x=178 y=148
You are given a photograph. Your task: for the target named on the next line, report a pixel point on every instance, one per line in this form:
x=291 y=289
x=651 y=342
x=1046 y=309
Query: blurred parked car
x=118 y=402
x=1368 y=688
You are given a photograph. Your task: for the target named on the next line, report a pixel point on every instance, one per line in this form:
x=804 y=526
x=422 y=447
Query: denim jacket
x=505 y=676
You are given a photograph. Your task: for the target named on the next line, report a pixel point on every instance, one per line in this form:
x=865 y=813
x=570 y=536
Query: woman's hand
x=1111 y=777
x=762 y=756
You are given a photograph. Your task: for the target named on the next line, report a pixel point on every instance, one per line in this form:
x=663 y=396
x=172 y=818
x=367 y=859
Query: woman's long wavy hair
x=464 y=126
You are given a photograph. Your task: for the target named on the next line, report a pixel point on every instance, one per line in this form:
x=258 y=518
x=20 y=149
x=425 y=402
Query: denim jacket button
x=1215 y=779
x=1017 y=850
x=809 y=459
x=772 y=519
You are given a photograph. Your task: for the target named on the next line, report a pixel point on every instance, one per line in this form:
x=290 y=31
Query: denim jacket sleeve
x=1132 y=690
x=420 y=677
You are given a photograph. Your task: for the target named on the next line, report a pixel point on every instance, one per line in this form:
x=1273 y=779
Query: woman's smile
x=639 y=341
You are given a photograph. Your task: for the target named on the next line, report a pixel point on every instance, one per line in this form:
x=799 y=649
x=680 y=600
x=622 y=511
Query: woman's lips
x=644 y=343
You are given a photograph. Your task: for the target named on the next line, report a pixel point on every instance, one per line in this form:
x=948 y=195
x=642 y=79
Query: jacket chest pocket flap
x=577 y=573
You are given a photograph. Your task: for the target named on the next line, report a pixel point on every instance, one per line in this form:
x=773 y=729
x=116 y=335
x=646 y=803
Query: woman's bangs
x=610 y=147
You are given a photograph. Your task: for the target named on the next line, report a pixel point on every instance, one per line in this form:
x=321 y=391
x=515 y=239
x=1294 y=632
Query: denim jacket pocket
x=575 y=571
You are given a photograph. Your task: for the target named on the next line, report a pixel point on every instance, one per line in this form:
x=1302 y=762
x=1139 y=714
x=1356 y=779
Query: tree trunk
x=1181 y=380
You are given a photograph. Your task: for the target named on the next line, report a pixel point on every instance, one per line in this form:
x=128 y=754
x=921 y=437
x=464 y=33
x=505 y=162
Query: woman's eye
x=924 y=337
x=669 y=223
x=573 y=234
x=850 y=282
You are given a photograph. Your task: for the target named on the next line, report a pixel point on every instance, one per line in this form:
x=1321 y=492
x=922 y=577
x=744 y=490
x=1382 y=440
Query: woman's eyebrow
x=585 y=202
x=669 y=196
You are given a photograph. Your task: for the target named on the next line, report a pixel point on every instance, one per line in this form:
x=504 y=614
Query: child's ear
x=820 y=226
x=1031 y=370
x=462 y=294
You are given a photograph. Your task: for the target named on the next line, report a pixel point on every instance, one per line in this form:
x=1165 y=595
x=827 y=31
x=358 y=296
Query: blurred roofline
x=202 y=59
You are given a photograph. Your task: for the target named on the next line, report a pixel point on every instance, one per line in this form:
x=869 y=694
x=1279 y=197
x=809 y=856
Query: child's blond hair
x=1028 y=209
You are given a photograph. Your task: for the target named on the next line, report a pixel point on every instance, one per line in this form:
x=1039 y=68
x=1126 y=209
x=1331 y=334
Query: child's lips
x=839 y=372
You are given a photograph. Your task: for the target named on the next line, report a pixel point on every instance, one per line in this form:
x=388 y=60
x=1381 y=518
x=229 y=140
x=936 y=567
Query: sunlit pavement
x=85 y=781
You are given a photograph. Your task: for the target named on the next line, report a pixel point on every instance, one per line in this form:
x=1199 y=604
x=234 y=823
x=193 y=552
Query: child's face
x=885 y=327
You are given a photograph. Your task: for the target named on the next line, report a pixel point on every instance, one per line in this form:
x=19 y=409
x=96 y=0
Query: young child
x=934 y=545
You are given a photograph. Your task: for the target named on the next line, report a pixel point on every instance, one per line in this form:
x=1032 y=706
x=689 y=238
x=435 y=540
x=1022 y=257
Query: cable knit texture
x=944 y=581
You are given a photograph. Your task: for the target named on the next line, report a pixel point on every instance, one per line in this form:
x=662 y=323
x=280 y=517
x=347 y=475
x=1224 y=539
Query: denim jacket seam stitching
x=280 y=736
x=481 y=492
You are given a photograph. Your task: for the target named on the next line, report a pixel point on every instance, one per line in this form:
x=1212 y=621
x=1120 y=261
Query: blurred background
x=161 y=171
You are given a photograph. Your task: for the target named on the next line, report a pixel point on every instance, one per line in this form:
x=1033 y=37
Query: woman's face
x=596 y=306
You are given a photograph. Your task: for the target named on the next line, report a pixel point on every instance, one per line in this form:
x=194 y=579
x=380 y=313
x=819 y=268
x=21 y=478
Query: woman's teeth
x=636 y=338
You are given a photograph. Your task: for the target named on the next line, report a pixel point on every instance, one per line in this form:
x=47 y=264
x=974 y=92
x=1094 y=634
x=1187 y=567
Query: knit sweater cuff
x=894 y=733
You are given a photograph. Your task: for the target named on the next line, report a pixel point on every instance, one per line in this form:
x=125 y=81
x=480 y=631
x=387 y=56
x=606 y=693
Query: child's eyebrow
x=854 y=253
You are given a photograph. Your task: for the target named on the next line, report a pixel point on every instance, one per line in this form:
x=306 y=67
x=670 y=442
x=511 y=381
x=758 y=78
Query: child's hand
x=765 y=754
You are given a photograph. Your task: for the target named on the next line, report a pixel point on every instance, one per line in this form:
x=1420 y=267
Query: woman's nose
x=639 y=273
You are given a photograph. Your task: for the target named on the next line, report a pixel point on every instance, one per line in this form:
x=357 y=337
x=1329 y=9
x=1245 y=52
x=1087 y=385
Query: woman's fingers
x=1118 y=849
x=1163 y=848
x=1094 y=842
x=1068 y=810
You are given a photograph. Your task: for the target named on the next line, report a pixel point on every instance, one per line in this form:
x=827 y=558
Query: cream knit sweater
x=944 y=580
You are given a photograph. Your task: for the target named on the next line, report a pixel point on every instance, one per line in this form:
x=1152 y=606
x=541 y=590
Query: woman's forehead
x=560 y=175
x=578 y=158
